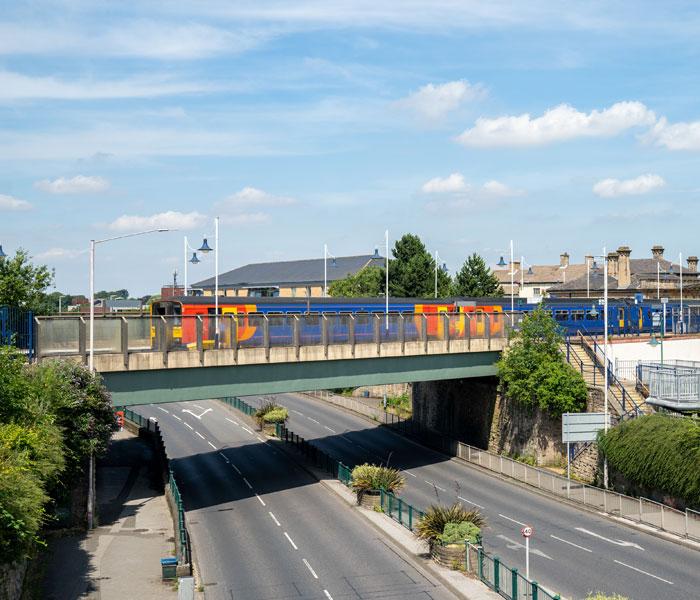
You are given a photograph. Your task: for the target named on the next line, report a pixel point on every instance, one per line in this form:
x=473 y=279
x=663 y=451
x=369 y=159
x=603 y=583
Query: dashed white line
x=434 y=484
x=329 y=429
x=308 y=566
x=199 y=434
x=411 y=474
x=261 y=500
x=188 y=425
x=212 y=445
x=224 y=456
x=328 y=595
x=250 y=431
x=296 y=411
x=512 y=520
x=250 y=487
x=165 y=411
x=178 y=418
x=274 y=518
x=291 y=541
x=237 y=469
x=313 y=420
x=570 y=543
x=644 y=572
x=470 y=502
x=231 y=421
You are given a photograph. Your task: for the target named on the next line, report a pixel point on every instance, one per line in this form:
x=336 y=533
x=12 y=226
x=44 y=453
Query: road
x=262 y=528
x=573 y=551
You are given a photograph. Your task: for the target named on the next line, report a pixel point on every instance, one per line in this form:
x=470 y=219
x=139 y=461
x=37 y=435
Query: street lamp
x=680 y=268
x=654 y=341
x=443 y=268
x=205 y=249
x=334 y=263
x=386 y=273
x=91 y=362
x=194 y=260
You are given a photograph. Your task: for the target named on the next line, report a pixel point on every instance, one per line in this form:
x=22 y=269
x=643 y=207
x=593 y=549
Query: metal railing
x=672 y=387
x=17 y=328
x=401 y=511
x=128 y=334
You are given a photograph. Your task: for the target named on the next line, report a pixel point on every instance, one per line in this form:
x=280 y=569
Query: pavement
x=263 y=528
x=573 y=552
x=120 y=559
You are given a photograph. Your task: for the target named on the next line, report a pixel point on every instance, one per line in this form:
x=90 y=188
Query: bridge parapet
x=128 y=343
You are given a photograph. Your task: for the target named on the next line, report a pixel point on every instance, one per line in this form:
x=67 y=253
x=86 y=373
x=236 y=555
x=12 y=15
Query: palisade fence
x=183 y=546
x=641 y=510
x=490 y=570
x=17 y=328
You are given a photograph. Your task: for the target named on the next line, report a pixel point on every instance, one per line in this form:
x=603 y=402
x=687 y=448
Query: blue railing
x=17 y=328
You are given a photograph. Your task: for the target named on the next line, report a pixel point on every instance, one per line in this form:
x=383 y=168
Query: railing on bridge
x=69 y=336
x=670 y=386
x=16 y=328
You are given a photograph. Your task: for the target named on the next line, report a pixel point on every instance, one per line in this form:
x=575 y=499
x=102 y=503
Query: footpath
x=121 y=557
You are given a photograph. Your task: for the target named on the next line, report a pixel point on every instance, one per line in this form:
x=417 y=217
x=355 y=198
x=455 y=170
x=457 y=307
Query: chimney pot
x=693 y=264
x=624 y=273
x=657 y=252
x=564 y=260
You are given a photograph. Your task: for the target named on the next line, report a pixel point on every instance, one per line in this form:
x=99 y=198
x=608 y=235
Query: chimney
x=624 y=274
x=564 y=260
x=693 y=264
x=514 y=267
x=657 y=252
x=612 y=264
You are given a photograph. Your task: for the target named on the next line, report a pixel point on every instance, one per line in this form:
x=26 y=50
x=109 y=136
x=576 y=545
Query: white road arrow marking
x=197 y=416
x=513 y=545
x=616 y=542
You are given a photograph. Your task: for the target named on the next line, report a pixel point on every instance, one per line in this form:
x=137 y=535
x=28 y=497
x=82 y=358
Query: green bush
x=458 y=532
x=277 y=415
x=601 y=596
x=432 y=525
x=534 y=372
x=368 y=477
x=657 y=452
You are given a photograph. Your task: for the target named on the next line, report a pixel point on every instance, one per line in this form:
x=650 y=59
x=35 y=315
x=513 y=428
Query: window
x=561 y=315
x=536 y=291
x=577 y=315
x=620 y=314
x=294 y=292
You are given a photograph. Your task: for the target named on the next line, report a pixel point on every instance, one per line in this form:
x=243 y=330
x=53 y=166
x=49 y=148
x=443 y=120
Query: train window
x=362 y=319
x=592 y=316
x=620 y=314
x=577 y=315
x=561 y=315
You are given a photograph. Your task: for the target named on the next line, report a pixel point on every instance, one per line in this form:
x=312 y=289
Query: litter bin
x=365 y=393
x=169 y=567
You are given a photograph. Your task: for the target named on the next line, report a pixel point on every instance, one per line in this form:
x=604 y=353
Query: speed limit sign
x=527 y=531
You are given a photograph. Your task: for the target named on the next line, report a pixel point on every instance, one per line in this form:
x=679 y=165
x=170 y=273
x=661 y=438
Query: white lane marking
x=199 y=407
x=291 y=541
x=165 y=411
x=329 y=429
x=411 y=474
x=185 y=410
x=224 y=457
x=430 y=483
x=178 y=418
x=237 y=470
x=261 y=500
x=470 y=502
x=250 y=487
x=644 y=572
x=313 y=420
x=570 y=543
x=328 y=595
x=513 y=520
x=260 y=439
x=231 y=421
x=296 y=411
x=616 y=542
x=212 y=445
x=308 y=566
x=349 y=441
x=513 y=545
x=199 y=434
x=274 y=518
x=188 y=425
x=250 y=431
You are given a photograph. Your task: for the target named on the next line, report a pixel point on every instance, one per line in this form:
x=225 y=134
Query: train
x=625 y=317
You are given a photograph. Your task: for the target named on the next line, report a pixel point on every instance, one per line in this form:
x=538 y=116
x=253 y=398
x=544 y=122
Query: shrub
x=657 y=452
x=277 y=415
x=433 y=523
x=601 y=596
x=454 y=533
x=368 y=477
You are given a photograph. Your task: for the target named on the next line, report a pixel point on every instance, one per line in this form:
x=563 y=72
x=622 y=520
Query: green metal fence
x=134 y=417
x=239 y=404
x=400 y=510
x=183 y=536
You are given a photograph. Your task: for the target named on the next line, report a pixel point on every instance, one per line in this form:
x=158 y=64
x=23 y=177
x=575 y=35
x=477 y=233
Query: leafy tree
x=412 y=271
x=533 y=370
x=475 y=279
x=118 y=294
x=22 y=284
x=368 y=282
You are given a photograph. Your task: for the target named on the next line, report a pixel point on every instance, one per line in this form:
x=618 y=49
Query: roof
x=293 y=272
x=581 y=283
x=541 y=274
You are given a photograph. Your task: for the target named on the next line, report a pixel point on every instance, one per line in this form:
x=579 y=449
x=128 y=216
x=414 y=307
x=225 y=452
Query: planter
x=269 y=429
x=447 y=555
x=371 y=499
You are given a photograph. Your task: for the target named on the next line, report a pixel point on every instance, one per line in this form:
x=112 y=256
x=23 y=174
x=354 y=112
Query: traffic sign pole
x=526 y=532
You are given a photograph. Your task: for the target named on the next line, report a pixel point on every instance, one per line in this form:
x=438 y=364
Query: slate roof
x=542 y=273
x=290 y=273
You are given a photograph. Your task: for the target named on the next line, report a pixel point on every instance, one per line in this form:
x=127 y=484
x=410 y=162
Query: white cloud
x=80 y=184
x=250 y=196
x=167 y=220
x=611 y=188
x=441 y=185
x=435 y=101
x=557 y=124
x=500 y=190
x=59 y=254
x=10 y=203
x=676 y=136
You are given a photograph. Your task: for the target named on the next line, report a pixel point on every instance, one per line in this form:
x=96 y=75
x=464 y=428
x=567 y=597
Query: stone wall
x=378 y=391
x=461 y=409
x=11 y=580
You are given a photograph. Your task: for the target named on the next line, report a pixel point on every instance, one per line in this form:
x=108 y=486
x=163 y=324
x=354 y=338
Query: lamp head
x=593 y=312
x=444 y=267
x=529 y=270
x=376 y=253
x=501 y=263
x=653 y=342
x=194 y=260
x=334 y=263
x=205 y=248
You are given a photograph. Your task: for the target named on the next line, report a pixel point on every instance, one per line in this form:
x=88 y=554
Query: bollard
x=496 y=572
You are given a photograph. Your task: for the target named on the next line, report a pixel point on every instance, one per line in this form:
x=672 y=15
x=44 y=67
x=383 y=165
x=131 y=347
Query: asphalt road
x=264 y=529
x=573 y=552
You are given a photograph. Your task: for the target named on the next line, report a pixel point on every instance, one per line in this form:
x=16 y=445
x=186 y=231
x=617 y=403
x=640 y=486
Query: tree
x=475 y=279
x=22 y=284
x=368 y=282
x=105 y=295
x=533 y=370
x=412 y=271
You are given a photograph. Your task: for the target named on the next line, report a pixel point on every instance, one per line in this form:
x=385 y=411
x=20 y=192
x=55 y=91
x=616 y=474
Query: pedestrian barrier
x=239 y=404
x=400 y=510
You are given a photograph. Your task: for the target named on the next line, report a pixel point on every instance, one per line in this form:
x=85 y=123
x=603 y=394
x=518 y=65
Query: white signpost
x=579 y=427
x=527 y=531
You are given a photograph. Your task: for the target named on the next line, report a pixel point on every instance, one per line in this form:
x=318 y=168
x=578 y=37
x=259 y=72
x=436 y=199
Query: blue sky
x=561 y=125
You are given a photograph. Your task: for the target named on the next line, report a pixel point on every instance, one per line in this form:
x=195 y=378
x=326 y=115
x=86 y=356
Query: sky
x=564 y=126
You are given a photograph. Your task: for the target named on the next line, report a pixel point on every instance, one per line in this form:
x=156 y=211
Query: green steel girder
x=199 y=383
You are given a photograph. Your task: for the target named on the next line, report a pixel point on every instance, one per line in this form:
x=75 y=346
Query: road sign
x=527 y=531
x=664 y=300
x=581 y=427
